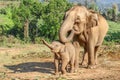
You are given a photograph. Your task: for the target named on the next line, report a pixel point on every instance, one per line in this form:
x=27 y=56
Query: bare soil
x=35 y=62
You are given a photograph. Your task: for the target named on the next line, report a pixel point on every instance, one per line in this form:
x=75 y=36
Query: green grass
x=114 y=26
x=113 y=35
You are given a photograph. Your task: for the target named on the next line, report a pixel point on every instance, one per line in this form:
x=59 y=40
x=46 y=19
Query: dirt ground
x=35 y=62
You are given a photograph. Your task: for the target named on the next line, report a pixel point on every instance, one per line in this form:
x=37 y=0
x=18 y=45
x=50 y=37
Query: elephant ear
x=92 y=19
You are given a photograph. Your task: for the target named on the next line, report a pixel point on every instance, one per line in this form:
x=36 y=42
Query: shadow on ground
x=43 y=67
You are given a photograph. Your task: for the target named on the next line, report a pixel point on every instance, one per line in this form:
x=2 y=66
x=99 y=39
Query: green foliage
x=113 y=33
x=6 y=22
x=112 y=13
x=115 y=12
x=118 y=17
x=93 y=6
x=20 y=15
x=44 y=18
x=52 y=18
x=109 y=13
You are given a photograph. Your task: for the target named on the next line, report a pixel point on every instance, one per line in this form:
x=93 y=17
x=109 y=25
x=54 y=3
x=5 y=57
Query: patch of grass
x=2 y=75
x=112 y=51
x=114 y=26
x=113 y=34
x=61 y=78
x=33 y=50
x=9 y=41
x=21 y=52
x=5 y=58
x=37 y=78
x=43 y=54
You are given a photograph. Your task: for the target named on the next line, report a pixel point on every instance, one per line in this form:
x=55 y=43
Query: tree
x=93 y=6
x=6 y=22
x=52 y=18
x=109 y=13
x=25 y=17
x=37 y=18
x=115 y=11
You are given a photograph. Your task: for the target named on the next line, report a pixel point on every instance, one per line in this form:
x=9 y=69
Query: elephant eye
x=56 y=46
x=78 y=18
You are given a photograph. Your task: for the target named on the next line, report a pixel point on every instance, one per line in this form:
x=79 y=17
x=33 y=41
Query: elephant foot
x=96 y=62
x=56 y=73
x=76 y=70
x=84 y=64
x=71 y=71
x=63 y=72
x=92 y=66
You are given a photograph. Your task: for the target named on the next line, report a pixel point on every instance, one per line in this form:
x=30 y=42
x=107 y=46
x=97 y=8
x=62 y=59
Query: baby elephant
x=64 y=53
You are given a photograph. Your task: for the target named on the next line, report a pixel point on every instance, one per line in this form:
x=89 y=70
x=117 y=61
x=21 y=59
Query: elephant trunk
x=48 y=45
x=66 y=32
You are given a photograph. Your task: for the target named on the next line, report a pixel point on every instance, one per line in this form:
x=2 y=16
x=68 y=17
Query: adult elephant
x=86 y=27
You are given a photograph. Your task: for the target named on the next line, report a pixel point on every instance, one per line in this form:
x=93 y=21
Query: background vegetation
x=26 y=21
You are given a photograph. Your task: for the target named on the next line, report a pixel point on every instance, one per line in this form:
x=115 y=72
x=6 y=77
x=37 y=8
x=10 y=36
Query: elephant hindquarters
x=96 y=40
x=103 y=29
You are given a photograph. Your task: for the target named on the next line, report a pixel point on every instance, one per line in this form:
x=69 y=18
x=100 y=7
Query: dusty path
x=26 y=67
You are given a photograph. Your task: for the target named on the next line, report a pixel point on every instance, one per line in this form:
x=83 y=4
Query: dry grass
x=35 y=62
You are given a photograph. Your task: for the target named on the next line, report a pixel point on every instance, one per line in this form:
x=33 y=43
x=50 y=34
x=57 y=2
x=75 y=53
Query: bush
x=9 y=40
x=113 y=34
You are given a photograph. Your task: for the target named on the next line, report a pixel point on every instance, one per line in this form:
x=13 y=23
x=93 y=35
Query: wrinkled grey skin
x=86 y=27
x=64 y=53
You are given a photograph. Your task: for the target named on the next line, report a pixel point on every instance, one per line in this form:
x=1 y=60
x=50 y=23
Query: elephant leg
x=56 y=63
x=91 y=55
x=85 y=58
x=64 y=65
x=67 y=67
x=72 y=66
x=77 y=51
x=95 y=56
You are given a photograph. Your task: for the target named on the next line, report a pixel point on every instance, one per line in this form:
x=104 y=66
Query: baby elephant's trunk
x=48 y=45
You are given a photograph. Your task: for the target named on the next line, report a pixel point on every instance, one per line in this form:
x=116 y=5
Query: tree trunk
x=26 y=29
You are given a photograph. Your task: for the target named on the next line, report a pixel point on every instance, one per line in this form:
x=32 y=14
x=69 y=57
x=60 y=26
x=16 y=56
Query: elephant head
x=77 y=19
x=55 y=46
